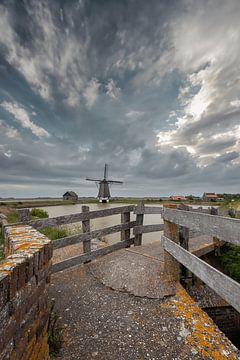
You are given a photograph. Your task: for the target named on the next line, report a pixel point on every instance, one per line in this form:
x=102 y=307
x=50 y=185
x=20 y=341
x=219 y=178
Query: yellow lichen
x=204 y=335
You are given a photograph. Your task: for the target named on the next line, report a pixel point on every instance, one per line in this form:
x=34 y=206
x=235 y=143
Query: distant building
x=210 y=197
x=178 y=198
x=70 y=195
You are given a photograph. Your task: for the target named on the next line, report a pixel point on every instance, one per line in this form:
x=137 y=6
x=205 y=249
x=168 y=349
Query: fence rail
x=83 y=258
x=176 y=248
x=223 y=285
x=74 y=239
x=224 y=228
x=148 y=210
x=143 y=229
x=73 y=218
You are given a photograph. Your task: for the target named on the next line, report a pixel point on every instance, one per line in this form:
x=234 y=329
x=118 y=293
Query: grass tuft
x=54 y=233
x=55 y=333
x=39 y=213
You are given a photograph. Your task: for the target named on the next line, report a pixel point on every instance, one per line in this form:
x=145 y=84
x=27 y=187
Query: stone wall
x=24 y=304
x=227 y=319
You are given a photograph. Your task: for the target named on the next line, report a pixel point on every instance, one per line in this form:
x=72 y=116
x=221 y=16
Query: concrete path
x=103 y=320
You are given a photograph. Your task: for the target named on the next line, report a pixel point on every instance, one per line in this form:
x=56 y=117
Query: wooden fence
x=176 y=248
x=87 y=235
x=178 y=222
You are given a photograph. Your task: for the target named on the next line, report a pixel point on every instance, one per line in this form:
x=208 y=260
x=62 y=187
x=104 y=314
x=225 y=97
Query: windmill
x=103 y=185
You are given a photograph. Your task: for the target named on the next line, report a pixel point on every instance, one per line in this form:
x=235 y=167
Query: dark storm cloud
x=89 y=82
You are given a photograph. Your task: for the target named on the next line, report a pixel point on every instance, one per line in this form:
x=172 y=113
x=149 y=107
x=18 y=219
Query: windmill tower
x=103 y=186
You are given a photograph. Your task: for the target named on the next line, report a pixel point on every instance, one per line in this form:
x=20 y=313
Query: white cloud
x=208 y=56
x=235 y=103
x=135 y=115
x=90 y=94
x=22 y=117
x=55 y=54
x=112 y=90
x=8 y=154
x=9 y=131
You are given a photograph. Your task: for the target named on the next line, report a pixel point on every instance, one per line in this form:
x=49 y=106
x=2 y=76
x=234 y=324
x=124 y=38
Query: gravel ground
x=102 y=323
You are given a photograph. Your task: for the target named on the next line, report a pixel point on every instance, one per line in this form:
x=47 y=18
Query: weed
x=39 y=213
x=12 y=217
x=55 y=333
x=54 y=233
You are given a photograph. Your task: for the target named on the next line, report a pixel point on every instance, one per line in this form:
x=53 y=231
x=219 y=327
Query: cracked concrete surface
x=102 y=323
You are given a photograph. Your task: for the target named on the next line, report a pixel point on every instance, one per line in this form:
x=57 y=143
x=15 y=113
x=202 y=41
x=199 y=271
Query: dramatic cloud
x=150 y=88
x=52 y=55
x=208 y=123
x=21 y=116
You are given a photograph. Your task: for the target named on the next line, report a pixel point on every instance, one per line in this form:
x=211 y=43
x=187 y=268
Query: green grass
x=39 y=213
x=54 y=233
x=35 y=213
x=12 y=217
x=230 y=260
x=55 y=333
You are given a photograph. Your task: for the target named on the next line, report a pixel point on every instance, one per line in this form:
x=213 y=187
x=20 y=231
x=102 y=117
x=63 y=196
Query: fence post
x=125 y=234
x=23 y=215
x=139 y=221
x=86 y=229
x=217 y=252
x=185 y=274
x=171 y=231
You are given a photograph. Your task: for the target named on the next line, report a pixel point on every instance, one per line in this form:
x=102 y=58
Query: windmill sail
x=105 y=171
x=104 y=191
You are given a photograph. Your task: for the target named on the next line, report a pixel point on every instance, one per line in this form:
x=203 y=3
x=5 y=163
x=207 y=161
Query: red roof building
x=178 y=198
x=209 y=196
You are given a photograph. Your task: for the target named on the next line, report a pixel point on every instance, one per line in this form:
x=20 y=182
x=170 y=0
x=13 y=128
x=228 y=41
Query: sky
x=150 y=87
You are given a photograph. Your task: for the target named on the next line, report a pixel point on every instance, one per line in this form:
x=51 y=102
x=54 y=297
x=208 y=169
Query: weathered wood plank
x=142 y=229
x=171 y=231
x=68 y=240
x=223 y=285
x=223 y=228
x=125 y=218
x=80 y=259
x=149 y=210
x=185 y=274
x=73 y=218
x=86 y=229
x=23 y=215
x=207 y=249
x=74 y=239
x=139 y=221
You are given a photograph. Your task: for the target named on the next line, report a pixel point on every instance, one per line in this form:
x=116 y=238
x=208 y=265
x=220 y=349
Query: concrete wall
x=24 y=305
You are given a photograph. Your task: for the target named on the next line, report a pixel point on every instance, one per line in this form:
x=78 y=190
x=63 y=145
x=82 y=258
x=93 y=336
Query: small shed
x=70 y=195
